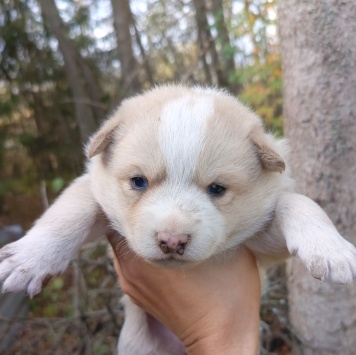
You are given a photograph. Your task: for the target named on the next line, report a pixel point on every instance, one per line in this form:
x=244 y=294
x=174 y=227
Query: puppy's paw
x=334 y=260
x=311 y=236
x=26 y=265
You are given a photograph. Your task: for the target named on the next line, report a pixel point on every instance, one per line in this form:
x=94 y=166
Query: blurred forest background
x=64 y=66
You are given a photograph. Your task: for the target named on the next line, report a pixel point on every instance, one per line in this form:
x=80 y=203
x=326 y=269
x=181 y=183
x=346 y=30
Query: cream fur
x=182 y=140
x=177 y=123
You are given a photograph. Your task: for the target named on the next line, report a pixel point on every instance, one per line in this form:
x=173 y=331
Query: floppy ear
x=102 y=138
x=269 y=158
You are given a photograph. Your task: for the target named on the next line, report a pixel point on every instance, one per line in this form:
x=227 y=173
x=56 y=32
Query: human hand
x=213 y=307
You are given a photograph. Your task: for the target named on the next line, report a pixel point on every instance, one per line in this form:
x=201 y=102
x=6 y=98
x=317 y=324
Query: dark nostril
x=164 y=247
x=181 y=248
x=168 y=250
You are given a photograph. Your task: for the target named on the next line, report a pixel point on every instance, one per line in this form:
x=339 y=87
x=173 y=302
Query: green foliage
x=53 y=300
x=58 y=283
x=57 y=184
x=100 y=349
x=263 y=91
x=57 y=298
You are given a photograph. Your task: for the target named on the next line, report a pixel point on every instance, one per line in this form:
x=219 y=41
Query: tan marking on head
x=137 y=152
x=227 y=157
x=132 y=109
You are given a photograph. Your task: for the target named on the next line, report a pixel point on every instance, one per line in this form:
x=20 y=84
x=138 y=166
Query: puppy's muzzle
x=172 y=244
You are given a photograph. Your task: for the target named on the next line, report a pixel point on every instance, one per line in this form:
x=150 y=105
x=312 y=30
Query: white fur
x=53 y=241
x=183 y=210
x=315 y=240
x=135 y=332
x=182 y=140
x=181 y=134
x=136 y=337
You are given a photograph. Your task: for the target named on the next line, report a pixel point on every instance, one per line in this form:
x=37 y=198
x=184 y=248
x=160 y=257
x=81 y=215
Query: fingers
x=115 y=240
x=126 y=262
x=138 y=276
x=118 y=245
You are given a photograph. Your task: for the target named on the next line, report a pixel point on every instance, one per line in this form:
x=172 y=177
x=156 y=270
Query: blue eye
x=139 y=183
x=216 y=190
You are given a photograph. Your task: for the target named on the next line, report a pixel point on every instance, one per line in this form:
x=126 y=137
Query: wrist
x=246 y=344
x=238 y=337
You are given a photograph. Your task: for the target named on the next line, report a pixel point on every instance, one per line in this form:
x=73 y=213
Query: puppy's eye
x=216 y=190
x=139 y=183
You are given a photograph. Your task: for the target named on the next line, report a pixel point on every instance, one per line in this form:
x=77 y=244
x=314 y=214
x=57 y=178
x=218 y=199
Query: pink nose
x=170 y=243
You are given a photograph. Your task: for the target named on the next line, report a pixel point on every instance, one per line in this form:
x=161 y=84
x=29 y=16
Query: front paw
x=311 y=236
x=26 y=265
x=333 y=260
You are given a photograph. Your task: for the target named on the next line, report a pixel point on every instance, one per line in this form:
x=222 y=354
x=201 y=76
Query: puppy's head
x=185 y=173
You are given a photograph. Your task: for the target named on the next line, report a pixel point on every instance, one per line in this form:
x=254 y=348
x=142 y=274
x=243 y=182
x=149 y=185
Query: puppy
x=183 y=174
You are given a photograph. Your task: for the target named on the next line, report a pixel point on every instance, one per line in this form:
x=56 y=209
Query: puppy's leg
x=142 y=334
x=52 y=242
x=304 y=229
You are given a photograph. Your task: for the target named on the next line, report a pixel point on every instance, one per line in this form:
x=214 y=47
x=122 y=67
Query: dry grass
x=77 y=313
x=80 y=313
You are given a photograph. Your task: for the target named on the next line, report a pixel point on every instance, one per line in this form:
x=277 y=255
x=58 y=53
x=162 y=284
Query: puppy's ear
x=269 y=158
x=101 y=139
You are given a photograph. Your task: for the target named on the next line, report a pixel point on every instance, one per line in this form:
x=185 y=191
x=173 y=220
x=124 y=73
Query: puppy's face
x=180 y=174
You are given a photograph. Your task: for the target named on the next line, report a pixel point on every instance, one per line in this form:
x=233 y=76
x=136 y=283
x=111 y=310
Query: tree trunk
x=318 y=40
x=203 y=46
x=145 y=59
x=94 y=91
x=227 y=51
x=205 y=36
x=250 y=23
x=129 y=66
x=84 y=113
